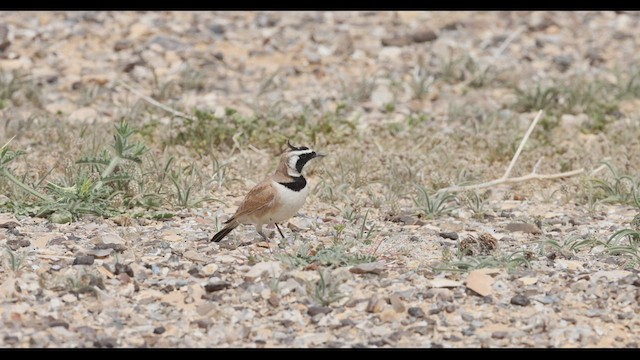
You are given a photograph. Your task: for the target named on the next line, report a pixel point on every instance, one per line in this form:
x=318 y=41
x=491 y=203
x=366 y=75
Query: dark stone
x=159 y=330
x=105 y=342
x=424 y=36
x=416 y=312
x=216 y=286
x=122 y=45
x=520 y=300
x=315 y=310
x=449 y=235
x=422 y=330
x=563 y=62
x=11 y=340
x=83 y=260
x=9 y=225
x=58 y=322
x=195 y=272
x=123 y=269
x=400 y=40
x=217 y=29
x=499 y=334
x=115 y=247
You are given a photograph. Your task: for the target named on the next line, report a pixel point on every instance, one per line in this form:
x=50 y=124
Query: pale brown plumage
x=277 y=197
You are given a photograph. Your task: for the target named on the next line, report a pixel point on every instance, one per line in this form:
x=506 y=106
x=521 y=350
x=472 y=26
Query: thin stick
x=530 y=176
x=154 y=102
x=507 y=41
x=524 y=140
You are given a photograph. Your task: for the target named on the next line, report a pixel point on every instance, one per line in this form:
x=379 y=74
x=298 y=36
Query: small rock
x=122 y=45
x=168 y=43
x=520 y=300
x=480 y=282
x=398 y=40
x=439 y=294
x=499 y=334
x=469 y=331
x=315 y=310
x=69 y=298
x=344 y=45
x=15 y=244
x=266 y=20
x=396 y=303
x=159 y=330
x=99 y=253
x=381 y=96
x=11 y=340
x=405 y=219
x=228 y=245
x=449 y=235
x=115 y=247
x=416 y=312
x=123 y=269
x=61 y=216
x=59 y=322
x=424 y=36
x=375 y=305
x=524 y=227
x=313 y=58
x=563 y=62
x=216 y=286
x=368 y=268
x=203 y=323
x=82 y=115
x=105 y=342
x=9 y=225
x=525 y=281
x=273 y=300
x=443 y=283
x=450 y=308
x=217 y=29
x=210 y=269
x=422 y=330
x=83 y=260
x=272 y=267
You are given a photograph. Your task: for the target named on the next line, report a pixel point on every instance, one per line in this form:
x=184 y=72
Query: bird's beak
x=318 y=155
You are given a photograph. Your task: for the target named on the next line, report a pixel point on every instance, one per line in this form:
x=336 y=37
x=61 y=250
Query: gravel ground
x=124 y=282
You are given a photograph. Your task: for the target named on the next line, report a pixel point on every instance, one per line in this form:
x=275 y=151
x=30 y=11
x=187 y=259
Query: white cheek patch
x=293 y=160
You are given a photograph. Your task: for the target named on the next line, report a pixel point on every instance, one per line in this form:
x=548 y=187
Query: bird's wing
x=261 y=197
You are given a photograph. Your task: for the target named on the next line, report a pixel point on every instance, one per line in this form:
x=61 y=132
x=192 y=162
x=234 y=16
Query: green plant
x=184 y=182
x=620 y=189
x=334 y=256
x=569 y=246
x=510 y=261
x=365 y=232
x=325 y=291
x=476 y=203
x=434 y=205
x=15 y=262
x=534 y=99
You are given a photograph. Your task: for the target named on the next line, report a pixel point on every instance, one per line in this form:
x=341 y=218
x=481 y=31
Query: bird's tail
x=225 y=231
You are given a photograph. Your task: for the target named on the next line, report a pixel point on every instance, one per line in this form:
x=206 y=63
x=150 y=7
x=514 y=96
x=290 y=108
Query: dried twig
x=154 y=102
x=533 y=175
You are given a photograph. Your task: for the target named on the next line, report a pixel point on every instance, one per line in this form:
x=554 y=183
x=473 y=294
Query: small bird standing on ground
x=276 y=198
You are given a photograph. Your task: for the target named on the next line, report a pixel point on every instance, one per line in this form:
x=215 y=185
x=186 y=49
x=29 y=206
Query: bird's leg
x=259 y=230
x=280 y=231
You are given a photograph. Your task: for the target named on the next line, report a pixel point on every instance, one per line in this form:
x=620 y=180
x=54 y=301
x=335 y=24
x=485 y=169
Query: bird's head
x=297 y=157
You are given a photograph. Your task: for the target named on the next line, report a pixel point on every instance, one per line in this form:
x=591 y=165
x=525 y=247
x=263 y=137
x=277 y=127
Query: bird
x=276 y=198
